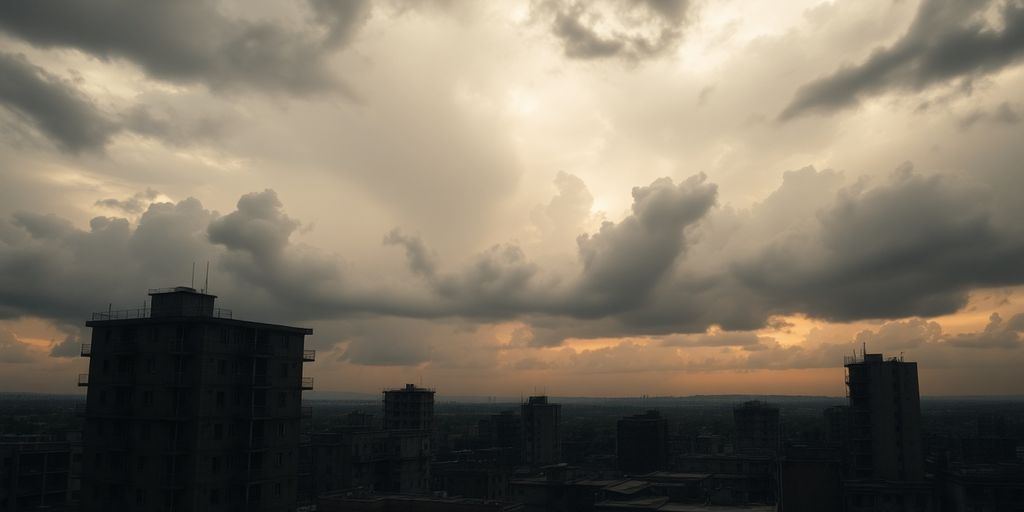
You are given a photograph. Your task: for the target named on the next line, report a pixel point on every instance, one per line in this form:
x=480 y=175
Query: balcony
x=83 y=380
x=308 y=356
x=86 y=349
x=307 y=383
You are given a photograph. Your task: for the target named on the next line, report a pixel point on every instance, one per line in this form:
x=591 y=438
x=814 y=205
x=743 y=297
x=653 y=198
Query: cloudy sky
x=591 y=198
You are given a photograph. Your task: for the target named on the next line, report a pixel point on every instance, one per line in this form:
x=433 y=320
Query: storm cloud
x=948 y=40
x=53 y=106
x=913 y=245
x=630 y=31
x=194 y=41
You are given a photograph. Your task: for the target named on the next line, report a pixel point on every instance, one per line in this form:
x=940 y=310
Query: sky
x=606 y=198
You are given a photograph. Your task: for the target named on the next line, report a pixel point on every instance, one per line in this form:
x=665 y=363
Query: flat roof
x=198 y=319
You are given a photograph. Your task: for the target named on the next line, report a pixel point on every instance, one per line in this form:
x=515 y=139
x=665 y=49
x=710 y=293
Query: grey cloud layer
x=948 y=39
x=912 y=245
x=193 y=41
x=647 y=28
x=55 y=107
x=61 y=112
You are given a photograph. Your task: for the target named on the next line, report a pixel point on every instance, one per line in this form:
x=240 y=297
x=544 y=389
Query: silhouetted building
x=348 y=502
x=388 y=461
x=708 y=444
x=884 y=439
x=810 y=480
x=542 y=443
x=475 y=479
x=503 y=430
x=565 y=488
x=734 y=478
x=757 y=428
x=409 y=408
x=837 y=425
x=36 y=473
x=983 y=487
x=189 y=409
x=642 y=443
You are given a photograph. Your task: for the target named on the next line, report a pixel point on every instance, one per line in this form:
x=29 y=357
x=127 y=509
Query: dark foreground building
x=189 y=409
x=37 y=473
x=642 y=443
x=541 y=435
x=757 y=428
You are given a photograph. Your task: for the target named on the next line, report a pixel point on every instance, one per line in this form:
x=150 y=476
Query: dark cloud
x=632 y=31
x=70 y=347
x=624 y=262
x=911 y=247
x=1004 y=114
x=717 y=339
x=170 y=126
x=193 y=41
x=914 y=245
x=12 y=350
x=421 y=260
x=947 y=40
x=133 y=205
x=53 y=106
x=997 y=334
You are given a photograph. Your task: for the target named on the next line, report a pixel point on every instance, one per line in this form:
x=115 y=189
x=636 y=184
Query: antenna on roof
x=206 y=287
x=193 y=285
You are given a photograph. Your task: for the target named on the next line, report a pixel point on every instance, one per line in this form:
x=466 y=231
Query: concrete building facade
x=884 y=438
x=409 y=408
x=189 y=409
x=541 y=432
x=642 y=443
x=757 y=428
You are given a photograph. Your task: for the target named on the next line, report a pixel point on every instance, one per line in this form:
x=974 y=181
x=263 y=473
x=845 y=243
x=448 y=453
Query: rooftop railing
x=132 y=314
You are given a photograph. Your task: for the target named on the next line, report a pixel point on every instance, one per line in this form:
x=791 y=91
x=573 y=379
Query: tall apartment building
x=409 y=408
x=542 y=443
x=189 y=409
x=757 y=428
x=502 y=431
x=642 y=443
x=884 y=437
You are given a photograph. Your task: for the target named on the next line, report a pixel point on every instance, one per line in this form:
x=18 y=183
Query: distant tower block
x=757 y=428
x=542 y=443
x=409 y=408
x=884 y=419
x=642 y=443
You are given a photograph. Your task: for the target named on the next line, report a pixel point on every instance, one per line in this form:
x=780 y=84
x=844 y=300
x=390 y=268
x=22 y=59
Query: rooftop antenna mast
x=206 y=287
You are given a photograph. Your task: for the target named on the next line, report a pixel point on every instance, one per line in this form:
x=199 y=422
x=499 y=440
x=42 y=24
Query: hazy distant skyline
x=595 y=198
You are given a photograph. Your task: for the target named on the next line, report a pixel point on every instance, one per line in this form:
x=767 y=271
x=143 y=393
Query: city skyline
x=594 y=199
